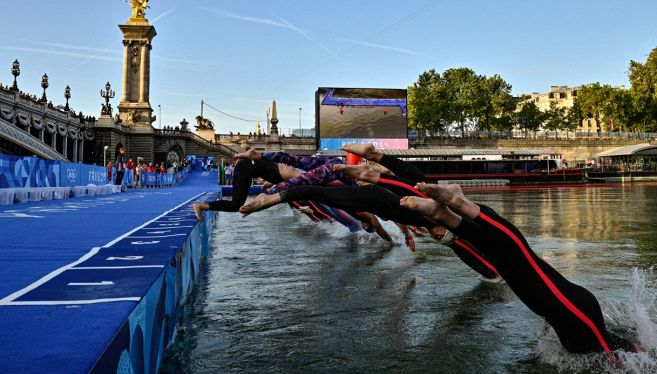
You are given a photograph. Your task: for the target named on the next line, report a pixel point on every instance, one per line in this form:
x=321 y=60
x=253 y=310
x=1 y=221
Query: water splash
x=635 y=319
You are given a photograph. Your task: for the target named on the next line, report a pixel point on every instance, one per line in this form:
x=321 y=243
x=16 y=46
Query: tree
x=620 y=111
x=436 y=101
x=529 y=117
x=497 y=106
x=425 y=107
x=593 y=100
x=554 y=118
x=643 y=91
x=462 y=85
x=573 y=119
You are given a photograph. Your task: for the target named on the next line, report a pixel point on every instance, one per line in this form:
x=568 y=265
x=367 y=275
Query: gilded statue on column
x=139 y=8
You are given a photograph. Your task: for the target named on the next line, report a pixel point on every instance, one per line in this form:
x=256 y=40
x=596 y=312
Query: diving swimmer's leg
x=361 y=172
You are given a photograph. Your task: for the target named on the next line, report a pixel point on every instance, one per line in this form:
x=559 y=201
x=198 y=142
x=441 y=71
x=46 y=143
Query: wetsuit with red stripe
x=403 y=184
x=571 y=310
x=370 y=198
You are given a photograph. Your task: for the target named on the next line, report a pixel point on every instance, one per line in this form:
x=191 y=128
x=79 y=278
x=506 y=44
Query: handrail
x=186 y=133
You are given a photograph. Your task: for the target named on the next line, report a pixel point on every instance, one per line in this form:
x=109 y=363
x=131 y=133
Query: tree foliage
x=643 y=92
x=459 y=97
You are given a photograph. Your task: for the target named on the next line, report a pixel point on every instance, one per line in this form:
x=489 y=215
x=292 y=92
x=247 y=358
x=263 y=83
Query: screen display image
x=348 y=115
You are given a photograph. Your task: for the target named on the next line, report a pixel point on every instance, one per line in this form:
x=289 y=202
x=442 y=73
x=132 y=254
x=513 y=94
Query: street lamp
x=300 y=129
x=107 y=95
x=105 y=148
x=15 y=71
x=44 y=85
x=160 y=114
x=67 y=95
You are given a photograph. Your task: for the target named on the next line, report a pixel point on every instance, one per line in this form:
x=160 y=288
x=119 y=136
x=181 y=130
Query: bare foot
x=452 y=196
x=251 y=154
x=379 y=168
x=199 y=208
x=427 y=207
x=446 y=194
x=363 y=150
x=260 y=202
x=360 y=172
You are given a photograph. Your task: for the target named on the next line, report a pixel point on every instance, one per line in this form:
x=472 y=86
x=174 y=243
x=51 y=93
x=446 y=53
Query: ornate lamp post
x=15 y=71
x=44 y=85
x=107 y=95
x=67 y=95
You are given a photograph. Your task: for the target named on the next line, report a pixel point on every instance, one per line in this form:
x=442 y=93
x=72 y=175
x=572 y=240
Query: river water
x=282 y=294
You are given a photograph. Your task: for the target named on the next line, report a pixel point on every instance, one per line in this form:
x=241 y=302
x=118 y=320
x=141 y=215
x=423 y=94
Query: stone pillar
x=41 y=133
x=81 y=156
x=53 y=140
x=143 y=81
x=65 y=145
x=75 y=151
x=126 y=62
x=135 y=109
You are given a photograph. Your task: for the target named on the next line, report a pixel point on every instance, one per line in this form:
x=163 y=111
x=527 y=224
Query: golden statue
x=139 y=8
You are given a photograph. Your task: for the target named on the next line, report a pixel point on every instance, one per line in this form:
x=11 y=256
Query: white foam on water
x=636 y=319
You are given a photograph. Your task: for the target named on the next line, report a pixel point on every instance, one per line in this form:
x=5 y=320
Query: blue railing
x=28 y=172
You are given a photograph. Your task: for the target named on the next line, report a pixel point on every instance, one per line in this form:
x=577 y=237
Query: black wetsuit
x=403 y=184
x=571 y=310
x=244 y=172
x=370 y=198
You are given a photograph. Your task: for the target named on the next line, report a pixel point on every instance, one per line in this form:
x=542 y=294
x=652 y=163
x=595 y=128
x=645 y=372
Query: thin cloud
x=59 y=53
x=103 y=51
x=308 y=37
x=154 y=20
x=70 y=46
x=280 y=22
x=384 y=47
x=262 y=21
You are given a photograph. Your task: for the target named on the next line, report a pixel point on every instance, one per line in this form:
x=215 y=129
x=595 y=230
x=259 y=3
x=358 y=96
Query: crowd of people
x=324 y=188
x=121 y=167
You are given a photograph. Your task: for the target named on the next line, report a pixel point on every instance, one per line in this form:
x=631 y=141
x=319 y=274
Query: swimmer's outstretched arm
x=375 y=224
x=408 y=238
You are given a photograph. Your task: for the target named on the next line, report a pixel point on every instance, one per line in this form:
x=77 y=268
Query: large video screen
x=361 y=115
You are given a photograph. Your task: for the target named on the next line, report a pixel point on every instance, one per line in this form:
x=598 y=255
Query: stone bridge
x=29 y=126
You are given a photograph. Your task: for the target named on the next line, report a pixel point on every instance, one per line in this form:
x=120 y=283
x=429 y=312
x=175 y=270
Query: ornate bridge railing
x=41 y=128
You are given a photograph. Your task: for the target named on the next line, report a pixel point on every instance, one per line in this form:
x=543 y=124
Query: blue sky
x=240 y=55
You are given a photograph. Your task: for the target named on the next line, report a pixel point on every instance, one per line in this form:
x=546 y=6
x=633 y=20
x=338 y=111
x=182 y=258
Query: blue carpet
x=45 y=327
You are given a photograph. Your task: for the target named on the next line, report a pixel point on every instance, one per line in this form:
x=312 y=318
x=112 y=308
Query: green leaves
x=462 y=98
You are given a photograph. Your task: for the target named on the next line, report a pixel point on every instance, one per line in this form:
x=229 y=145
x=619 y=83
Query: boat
x=633 y=163
x=544 y=169
x=511 y=166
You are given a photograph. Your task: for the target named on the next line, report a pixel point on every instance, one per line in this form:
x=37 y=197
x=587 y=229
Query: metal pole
x=160 y=114
x=201 y=109
x=300 y=129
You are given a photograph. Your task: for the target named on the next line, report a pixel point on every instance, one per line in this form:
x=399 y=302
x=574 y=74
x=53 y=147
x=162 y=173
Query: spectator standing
x=130 y=167
x=138 y=171
x=109 y=171
x=228 y=174
x=120 y=166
